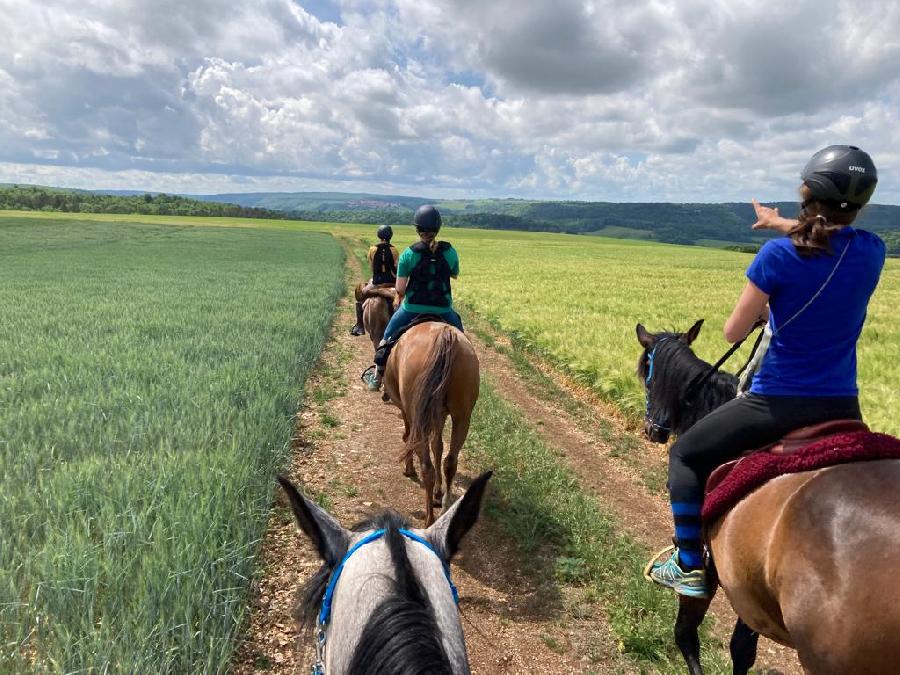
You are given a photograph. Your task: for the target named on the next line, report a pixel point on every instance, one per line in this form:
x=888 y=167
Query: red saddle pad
x=800 y=451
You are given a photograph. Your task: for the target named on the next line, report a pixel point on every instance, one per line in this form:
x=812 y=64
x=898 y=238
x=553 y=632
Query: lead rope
x=318 y=667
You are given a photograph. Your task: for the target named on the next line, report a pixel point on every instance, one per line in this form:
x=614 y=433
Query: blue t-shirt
x=815 y=354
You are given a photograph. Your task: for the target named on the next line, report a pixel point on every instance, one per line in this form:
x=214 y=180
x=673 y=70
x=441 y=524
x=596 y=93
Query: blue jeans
x=403 y=318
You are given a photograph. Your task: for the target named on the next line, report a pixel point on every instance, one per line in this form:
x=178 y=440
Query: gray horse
x=383 y=601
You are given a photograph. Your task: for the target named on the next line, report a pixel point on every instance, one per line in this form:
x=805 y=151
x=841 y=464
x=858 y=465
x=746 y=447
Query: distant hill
x=40 y=198
x=316 y=201
x=721 y=225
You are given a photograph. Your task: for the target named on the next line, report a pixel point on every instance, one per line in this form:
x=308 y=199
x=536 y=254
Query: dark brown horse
x=810 y=560
x=378 y=305
x=432 y=373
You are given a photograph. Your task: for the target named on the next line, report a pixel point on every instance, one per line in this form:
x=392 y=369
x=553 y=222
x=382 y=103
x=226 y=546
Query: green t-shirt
x=408 y=261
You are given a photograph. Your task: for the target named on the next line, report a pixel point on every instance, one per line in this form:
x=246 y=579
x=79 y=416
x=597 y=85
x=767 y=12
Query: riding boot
x=358 y=329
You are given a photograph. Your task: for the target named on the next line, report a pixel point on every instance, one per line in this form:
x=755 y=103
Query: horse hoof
x=437 y=502
x=411 y=474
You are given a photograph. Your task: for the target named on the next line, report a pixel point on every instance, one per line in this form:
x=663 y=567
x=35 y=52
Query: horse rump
x=427 y=412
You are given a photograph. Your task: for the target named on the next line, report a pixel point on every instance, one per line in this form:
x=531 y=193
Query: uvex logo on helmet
x=861 y=169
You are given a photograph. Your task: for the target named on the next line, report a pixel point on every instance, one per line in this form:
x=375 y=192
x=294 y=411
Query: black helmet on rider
x=385 y=232
x=427 y=219
x=842 y=175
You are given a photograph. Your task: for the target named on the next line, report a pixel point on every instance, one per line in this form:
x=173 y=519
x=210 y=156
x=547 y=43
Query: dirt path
x=617 y=483
x=346 y=452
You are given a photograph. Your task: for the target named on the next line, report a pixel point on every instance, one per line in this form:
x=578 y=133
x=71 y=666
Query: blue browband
x=325 y=612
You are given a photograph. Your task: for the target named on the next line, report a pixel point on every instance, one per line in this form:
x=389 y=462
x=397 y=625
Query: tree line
x=32 y=198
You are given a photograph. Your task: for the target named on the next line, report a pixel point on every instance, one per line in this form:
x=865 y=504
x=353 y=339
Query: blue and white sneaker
x=666 y=571
x=370 y=377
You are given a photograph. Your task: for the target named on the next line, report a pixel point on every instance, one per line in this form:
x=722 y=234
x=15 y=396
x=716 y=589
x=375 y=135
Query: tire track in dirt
x=616 y=485
x=347 y=449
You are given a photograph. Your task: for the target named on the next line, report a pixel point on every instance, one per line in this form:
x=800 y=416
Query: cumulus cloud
x=691 y=101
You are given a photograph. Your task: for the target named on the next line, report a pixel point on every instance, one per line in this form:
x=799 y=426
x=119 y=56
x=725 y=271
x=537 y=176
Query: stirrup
x=371 y=378
x=649 y=566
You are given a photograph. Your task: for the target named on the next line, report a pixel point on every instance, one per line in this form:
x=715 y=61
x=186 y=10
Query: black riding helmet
x=385 y=232
x=427 y=219
x=842 y=175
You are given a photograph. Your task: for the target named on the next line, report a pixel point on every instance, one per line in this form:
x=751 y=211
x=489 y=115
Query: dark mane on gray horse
x=675 y=369
x=402 y=635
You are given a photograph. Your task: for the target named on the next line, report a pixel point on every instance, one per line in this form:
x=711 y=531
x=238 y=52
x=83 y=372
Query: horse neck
x=682 y=368
x=370 y=607
x=715 y=392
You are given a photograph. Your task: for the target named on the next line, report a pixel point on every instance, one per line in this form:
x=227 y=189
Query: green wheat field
x=149 y=376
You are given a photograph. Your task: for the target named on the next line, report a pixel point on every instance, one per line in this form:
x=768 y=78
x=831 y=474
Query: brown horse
x=433 y=372
x=378 y=304
x=809 y=560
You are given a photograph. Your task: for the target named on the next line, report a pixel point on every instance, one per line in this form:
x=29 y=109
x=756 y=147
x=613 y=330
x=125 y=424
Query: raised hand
x=768 y=219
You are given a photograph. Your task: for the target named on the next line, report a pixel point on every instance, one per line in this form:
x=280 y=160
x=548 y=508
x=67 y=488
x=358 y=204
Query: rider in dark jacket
x=383 y=258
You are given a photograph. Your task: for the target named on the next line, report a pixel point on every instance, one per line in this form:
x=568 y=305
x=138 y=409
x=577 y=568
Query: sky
x=687 y=101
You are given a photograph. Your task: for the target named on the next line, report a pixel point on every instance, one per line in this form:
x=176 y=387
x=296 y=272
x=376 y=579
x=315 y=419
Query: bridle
x=324 y=617
x=654 y=426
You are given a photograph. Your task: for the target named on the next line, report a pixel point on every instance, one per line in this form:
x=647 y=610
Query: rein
x=325 y=612
x=695 y=385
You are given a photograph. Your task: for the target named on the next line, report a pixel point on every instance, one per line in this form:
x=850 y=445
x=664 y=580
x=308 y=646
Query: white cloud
x=691 y=101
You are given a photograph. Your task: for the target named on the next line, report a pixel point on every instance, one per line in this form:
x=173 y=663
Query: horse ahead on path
x=378 y=305
x=383 y=602
x=432 y=373
x=808 y=559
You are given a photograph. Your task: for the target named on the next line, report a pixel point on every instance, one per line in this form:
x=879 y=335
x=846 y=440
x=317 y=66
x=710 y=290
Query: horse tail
x=430 y=387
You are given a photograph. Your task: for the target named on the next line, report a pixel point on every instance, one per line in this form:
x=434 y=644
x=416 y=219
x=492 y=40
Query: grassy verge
x=625 y=446
x=149 y=378
x=538 y=501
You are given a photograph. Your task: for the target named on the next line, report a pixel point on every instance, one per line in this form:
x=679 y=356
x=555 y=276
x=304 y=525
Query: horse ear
x=644 y=337
x=448 y=531
x=692 y=333
x=326 y=533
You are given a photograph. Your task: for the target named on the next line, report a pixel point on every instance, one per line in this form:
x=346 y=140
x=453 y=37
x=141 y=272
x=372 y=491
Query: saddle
x=382 y=353
x=805 y=449
x=386 y=291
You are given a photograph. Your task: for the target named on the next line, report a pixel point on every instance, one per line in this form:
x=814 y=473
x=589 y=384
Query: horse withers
x=432 y=373
x=378 y=305
x=383 y=602
x=808 y=559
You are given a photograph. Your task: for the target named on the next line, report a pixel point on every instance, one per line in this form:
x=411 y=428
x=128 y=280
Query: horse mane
x=427 y=411
x=402 y=635
x=675 y=369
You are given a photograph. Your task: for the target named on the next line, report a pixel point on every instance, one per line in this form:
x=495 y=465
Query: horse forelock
x=402 y=634
x=312 y=592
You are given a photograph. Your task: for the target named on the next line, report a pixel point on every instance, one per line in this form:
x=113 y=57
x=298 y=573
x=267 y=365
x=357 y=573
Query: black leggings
x=744 y=424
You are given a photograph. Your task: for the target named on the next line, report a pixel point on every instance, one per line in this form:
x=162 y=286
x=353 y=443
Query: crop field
x=149 y=378
x=575 y=300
